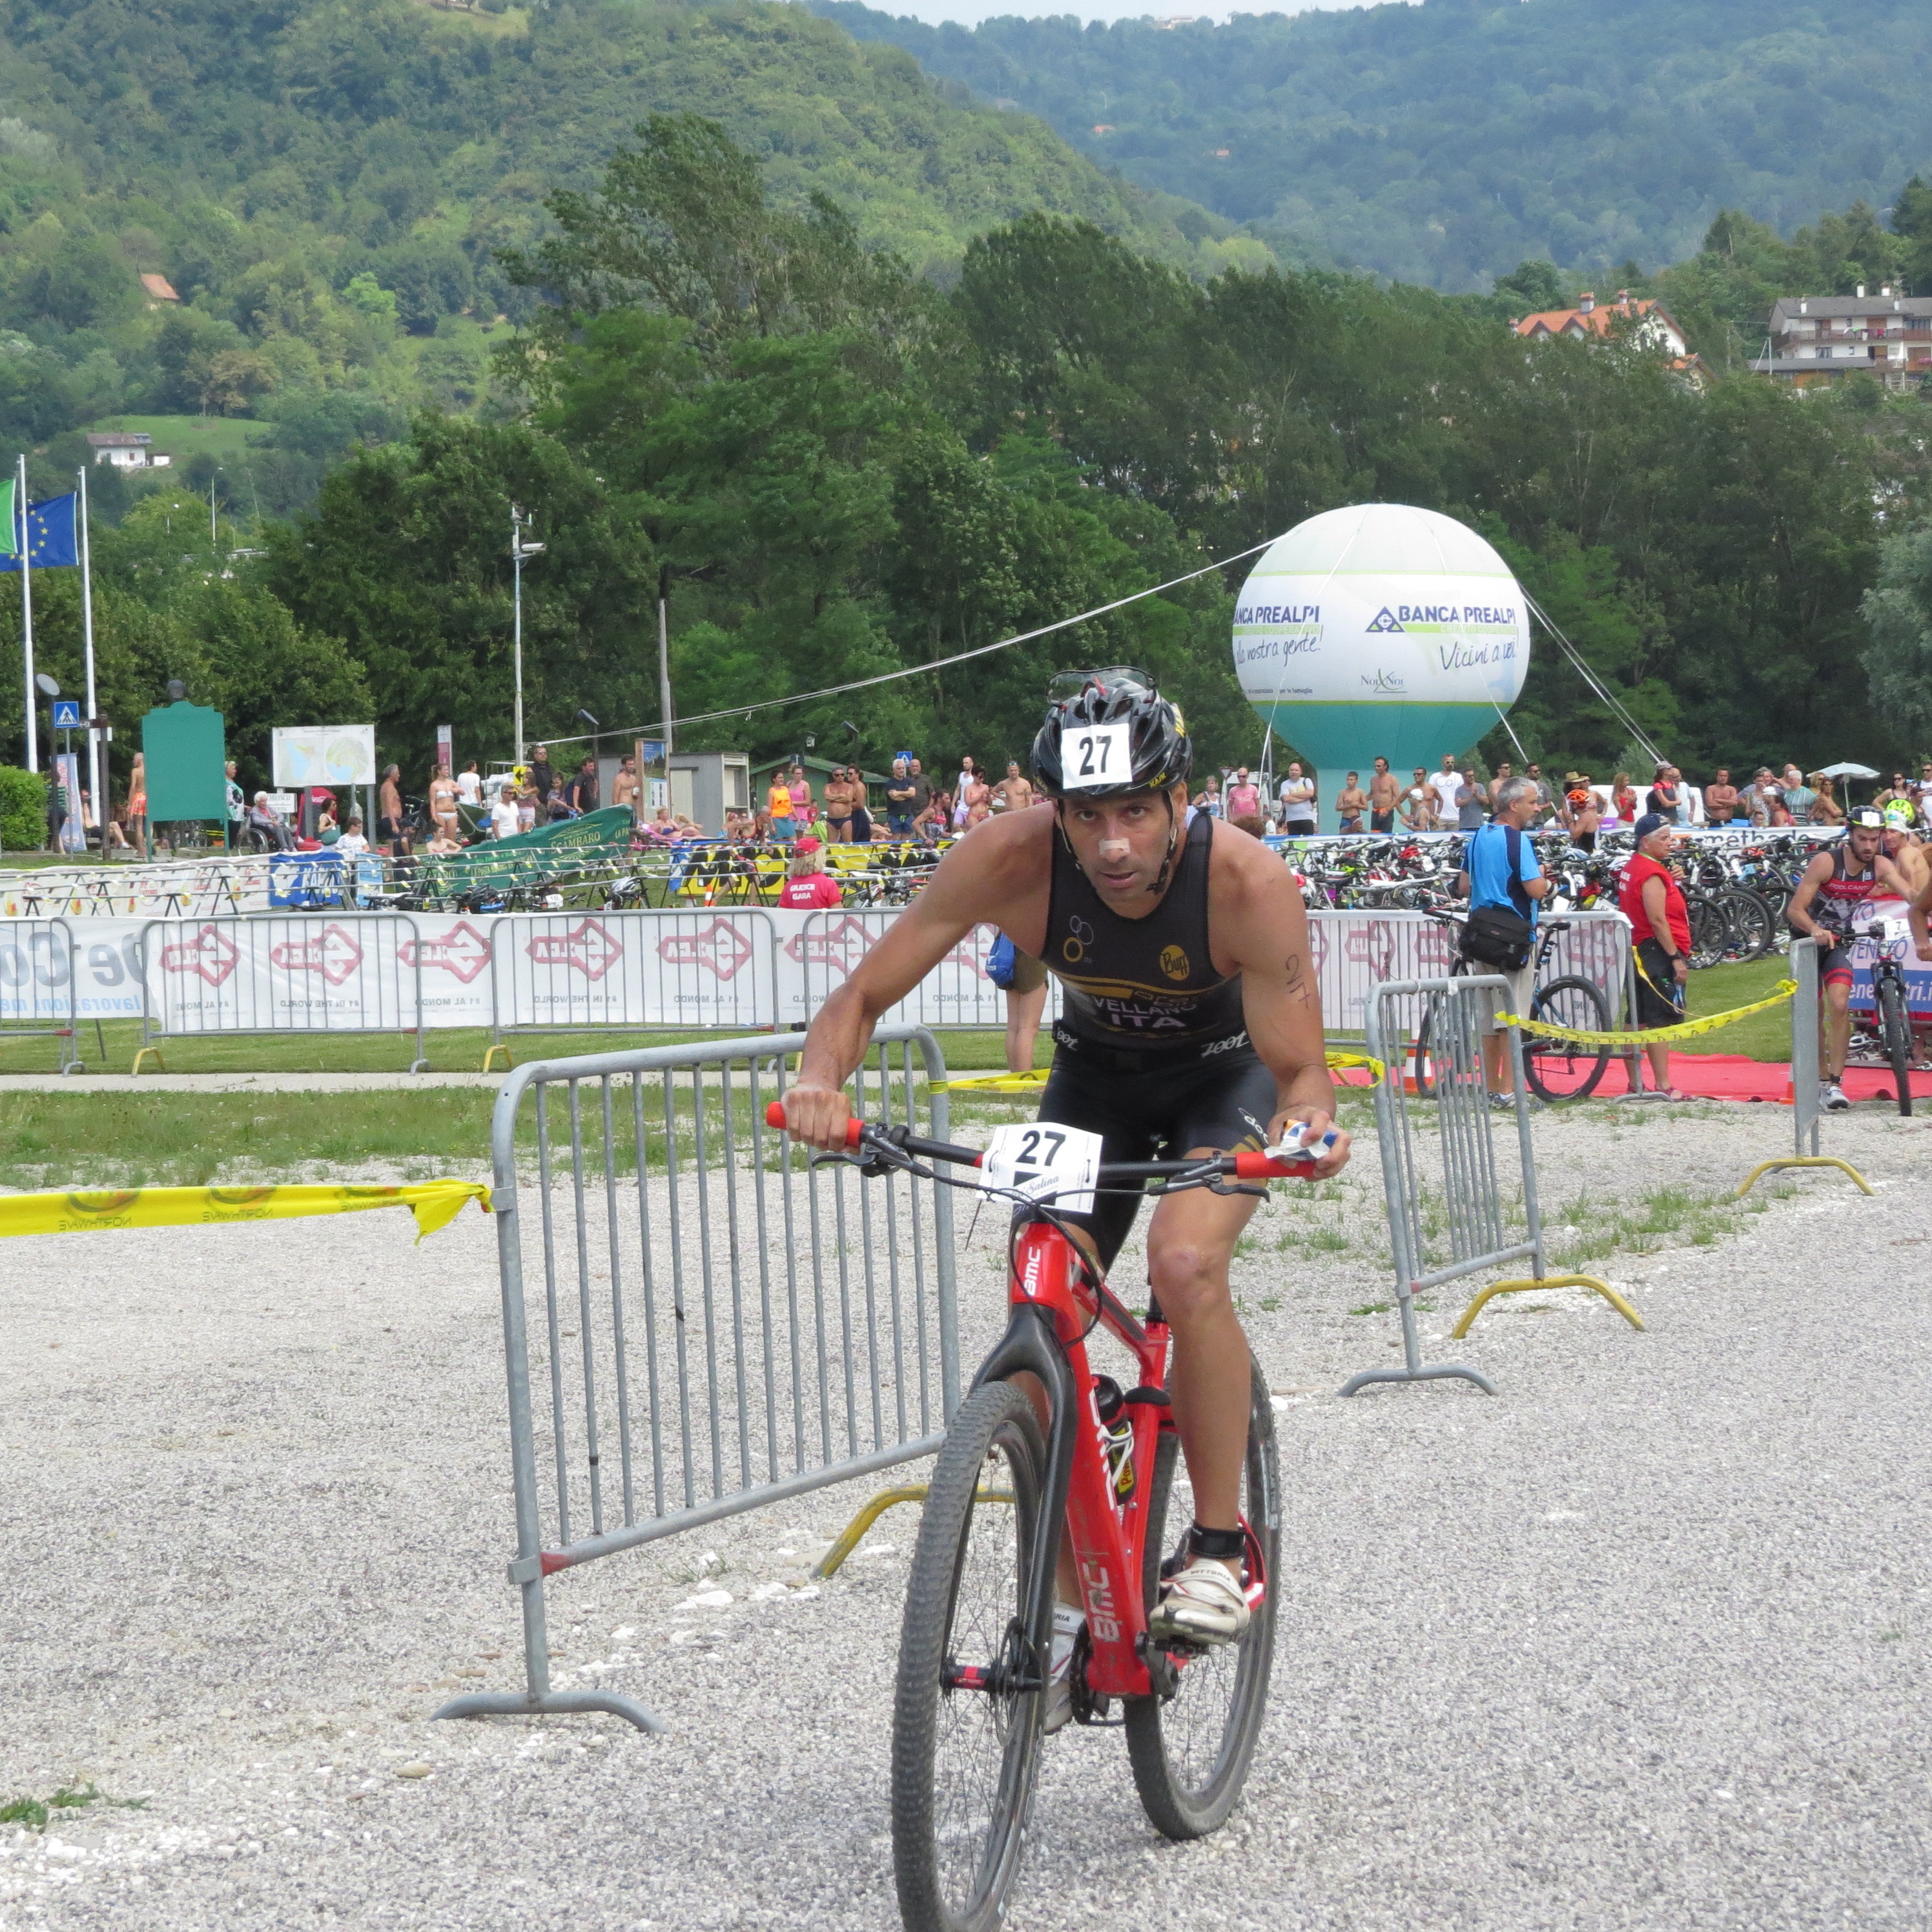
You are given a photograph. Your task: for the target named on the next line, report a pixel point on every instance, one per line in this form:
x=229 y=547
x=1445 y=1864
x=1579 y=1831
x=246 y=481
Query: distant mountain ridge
x=1444 y=143
x=327 y=185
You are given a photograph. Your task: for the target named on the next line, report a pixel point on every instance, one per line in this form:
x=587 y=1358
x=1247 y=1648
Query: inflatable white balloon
x=1381 y=629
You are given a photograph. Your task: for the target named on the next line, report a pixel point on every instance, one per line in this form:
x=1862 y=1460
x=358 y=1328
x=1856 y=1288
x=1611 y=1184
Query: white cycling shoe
x=1203 y=1604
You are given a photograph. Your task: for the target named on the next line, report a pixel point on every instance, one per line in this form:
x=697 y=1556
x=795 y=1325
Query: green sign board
x=610 y=827
x=493 y=858
x=186 y=748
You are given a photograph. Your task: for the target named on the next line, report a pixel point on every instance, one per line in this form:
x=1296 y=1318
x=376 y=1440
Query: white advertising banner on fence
x=689 y=969
x=739 y=967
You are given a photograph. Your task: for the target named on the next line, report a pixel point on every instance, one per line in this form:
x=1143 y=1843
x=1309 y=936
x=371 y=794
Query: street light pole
x=93 y=751
x=519 y=550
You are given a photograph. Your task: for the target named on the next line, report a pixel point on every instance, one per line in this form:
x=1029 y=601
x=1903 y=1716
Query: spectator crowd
x=1453 y=799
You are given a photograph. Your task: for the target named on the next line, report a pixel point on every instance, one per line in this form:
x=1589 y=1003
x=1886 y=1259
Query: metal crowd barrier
x=1806 y=1112
x=37 y=985
x=1441 y=1175
x=1357 y=952
x=697 y=1320
x=339 y=973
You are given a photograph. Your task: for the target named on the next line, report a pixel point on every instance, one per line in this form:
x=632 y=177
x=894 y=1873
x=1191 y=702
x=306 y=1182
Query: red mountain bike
x=975 y=1645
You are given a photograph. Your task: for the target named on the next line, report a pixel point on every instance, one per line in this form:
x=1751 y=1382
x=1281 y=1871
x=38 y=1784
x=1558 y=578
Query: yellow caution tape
x=1336 y=1061
x=1786 y=987
x=435 y=1204
x=1031 y=1083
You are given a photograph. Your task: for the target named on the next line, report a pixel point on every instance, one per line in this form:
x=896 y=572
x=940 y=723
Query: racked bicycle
x=1889 y=1028
x=975 y=1644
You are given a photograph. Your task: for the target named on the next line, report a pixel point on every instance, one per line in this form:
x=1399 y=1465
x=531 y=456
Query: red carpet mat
x=1730 y=1076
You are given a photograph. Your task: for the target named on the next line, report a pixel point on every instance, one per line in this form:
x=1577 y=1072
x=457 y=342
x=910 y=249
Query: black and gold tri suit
x=1151 y=1050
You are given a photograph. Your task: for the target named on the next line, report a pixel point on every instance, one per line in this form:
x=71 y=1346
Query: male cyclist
x=1833 y=898
x=1191 y=1026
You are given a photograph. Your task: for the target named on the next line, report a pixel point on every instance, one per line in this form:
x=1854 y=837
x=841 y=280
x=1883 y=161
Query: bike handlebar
x=1252 y=1165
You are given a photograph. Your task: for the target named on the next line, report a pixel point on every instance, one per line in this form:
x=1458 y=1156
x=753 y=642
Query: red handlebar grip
x=775 y=1117
x=1257 y=1166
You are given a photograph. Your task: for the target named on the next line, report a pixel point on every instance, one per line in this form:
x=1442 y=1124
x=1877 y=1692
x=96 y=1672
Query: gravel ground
x=1636 y=1644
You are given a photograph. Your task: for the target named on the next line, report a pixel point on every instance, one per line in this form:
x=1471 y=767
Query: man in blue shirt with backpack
x=1502 y=881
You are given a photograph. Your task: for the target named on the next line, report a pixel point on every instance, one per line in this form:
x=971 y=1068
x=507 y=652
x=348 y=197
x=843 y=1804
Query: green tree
x=405 y=559
x=1898 y=660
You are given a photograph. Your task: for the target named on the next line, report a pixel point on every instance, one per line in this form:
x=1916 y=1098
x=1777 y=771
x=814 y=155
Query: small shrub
x=23 y=810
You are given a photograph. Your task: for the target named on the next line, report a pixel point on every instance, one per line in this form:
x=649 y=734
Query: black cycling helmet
x=1070 y=762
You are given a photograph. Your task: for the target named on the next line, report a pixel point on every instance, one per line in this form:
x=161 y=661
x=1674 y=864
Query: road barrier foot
x=146 y=1053
x=1800 y=1160
x=1589 y=1281
x=551 y=1703
x=1435 y=1372
x=491 y=1053
x=854 y=1531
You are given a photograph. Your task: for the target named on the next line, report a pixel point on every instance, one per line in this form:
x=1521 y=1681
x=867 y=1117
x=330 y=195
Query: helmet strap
x=1173 y=840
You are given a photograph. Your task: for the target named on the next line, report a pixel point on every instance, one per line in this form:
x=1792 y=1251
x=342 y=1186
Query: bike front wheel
x=1191 y=1742
x=1895 y=1037
x=966 y=1738
x=1563 y=1069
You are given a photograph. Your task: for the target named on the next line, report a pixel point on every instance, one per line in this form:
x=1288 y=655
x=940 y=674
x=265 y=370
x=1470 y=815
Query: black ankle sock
x=1225 y=1544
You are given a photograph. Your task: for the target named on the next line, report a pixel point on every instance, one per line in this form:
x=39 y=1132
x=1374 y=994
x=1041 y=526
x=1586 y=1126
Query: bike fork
x=1030 y=1346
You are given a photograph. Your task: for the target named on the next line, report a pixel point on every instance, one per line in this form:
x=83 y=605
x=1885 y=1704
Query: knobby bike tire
x=1710 y=930
x=1561 y=1070
x=1894 y=1036
x=957 y=1835
x=1191 y=1751
x=1421 y=1069
x=1752 y=923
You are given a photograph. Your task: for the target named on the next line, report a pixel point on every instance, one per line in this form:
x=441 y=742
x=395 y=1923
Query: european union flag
x=52 y=542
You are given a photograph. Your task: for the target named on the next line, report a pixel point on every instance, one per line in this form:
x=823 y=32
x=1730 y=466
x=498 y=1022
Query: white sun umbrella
x=1848 y=771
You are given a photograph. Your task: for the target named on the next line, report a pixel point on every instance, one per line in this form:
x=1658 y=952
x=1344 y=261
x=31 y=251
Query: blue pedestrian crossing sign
x=67 y=714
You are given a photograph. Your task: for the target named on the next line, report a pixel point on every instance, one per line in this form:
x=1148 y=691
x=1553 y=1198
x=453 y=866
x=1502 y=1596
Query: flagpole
x=27 y=624
x=93 y=708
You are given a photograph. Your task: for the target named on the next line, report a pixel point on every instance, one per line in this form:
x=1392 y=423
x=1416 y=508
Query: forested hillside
x=831 y=469
x=1444 y=143
x=326 y=184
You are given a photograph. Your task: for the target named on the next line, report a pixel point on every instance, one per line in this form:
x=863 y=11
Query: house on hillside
x=159 y=289
x=1814 y=339
x=126 y=449
x=1653 y=324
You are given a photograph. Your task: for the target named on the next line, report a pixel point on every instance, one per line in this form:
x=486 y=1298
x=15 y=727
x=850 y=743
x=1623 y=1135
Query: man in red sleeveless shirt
x=1650 y=897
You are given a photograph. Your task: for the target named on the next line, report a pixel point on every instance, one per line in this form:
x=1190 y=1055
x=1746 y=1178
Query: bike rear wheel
x=1710 y=930
x=965 y=1747
x=1895 y=1037
x=1753 y=923
x=1562 y=1069
x=1191 y=1747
